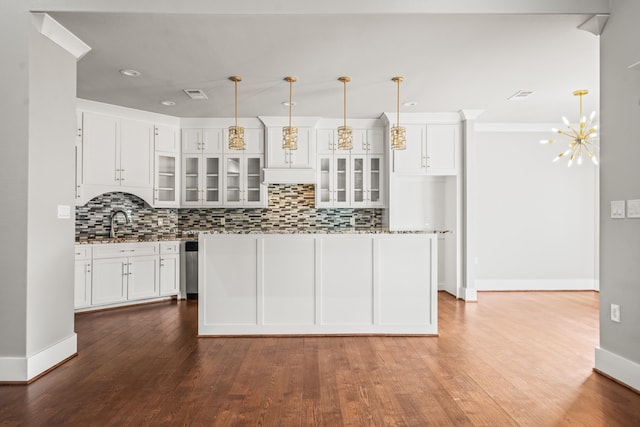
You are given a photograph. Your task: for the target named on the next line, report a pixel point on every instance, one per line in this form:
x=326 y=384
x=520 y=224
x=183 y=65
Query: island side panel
x=228 y=281
x=346 y=294
x=288 y=277
x=406 y=288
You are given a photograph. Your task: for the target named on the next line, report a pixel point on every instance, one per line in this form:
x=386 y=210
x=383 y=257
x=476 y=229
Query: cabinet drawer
x=83 y=251
x=125 y=249
x=169 y=248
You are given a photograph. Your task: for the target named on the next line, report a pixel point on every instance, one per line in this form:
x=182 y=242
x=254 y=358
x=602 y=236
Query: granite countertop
x=193 y=235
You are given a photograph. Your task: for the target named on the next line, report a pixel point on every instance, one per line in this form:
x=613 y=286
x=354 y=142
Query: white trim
x=421 y=118
x=360 y=7
x=299 y=121
x=126 y=113
x=536 y=284
x=470 y=114
x=54 y=31
x=515 y=127
x=219 y=122
x=468 y=294
x=617 y=367
x=23 y=369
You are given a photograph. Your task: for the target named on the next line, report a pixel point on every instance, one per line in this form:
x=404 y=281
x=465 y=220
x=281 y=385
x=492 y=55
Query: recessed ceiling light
x=130 y=73
x=410 y=103
x=286 y=103
x=521 y=94
x=168 y=103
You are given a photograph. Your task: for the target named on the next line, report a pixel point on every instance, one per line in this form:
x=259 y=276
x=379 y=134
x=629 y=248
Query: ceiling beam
x=329 y=7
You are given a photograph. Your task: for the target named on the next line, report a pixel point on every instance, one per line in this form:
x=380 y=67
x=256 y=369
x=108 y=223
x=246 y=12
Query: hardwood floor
x=513 y=359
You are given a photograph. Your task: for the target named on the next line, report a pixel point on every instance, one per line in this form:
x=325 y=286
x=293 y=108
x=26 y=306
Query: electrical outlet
x=160 y=221
x=352 y=221
x=615 y=313
x=221 y=221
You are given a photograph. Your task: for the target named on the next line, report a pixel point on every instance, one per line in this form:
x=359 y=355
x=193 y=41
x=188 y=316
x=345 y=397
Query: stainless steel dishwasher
x=191 y=269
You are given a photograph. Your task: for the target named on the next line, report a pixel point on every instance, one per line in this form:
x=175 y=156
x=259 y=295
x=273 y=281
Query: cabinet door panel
x=325 y=139
x=358 y=178
x=375 y=181
x=82 y=284
x=143 y=277
x=191 y=180
x=277 y=157
x=109 y=281
x=232 y=180
x=212 y=180
x=212 y=139
x=324 y=183
x=253 y=189
x=341 y=181
x=375 y=141
x=411 y=160
x=136 y=154
x=166 y=139
x=442 y=149
x=100 y=155
x=166 y=180
x=169 y=275
x=304 y=156
x=191 y=141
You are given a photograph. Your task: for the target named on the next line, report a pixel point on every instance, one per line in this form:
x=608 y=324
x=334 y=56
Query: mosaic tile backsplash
x=291 y=207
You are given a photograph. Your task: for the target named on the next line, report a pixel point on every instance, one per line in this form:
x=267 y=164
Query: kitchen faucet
x=113 y=220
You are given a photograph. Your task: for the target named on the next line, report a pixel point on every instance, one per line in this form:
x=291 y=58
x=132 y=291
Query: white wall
x=535 y=219
x=619 y=352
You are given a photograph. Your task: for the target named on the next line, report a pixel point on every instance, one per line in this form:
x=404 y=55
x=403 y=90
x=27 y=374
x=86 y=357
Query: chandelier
x=236 y=133
x=289 y=133
x=345 y=133
x=581 y=139
x=398 y=133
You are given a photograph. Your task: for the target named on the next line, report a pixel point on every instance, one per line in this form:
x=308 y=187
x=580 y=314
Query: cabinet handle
x=80 y=132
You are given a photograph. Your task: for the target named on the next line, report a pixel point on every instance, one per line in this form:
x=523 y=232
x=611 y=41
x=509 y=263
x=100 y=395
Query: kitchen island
x=317 y=283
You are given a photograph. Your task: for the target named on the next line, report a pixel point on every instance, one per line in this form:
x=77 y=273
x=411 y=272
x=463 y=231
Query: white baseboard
x=23 y=369
x=536 y=285
x=618 y=368
x=468 y=294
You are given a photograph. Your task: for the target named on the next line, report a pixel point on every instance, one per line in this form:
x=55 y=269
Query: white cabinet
x=253 y=141
x=278 y=157
x=443 y=142
x=169 y=268
x=83 y=274
x=117 y=155
x=123 y=272
x=368 y=141
x=167 y=139
x=243 y=180
x=432 y=149
x=143 y=277
x=78 y=159
x=109 y=280
x=201 y=180
x=166 y=182
x=202 y=141
x=333 y=181
x=367 y=181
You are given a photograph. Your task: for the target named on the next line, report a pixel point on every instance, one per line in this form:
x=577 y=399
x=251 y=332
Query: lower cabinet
x=118 y=273
x=83 y=274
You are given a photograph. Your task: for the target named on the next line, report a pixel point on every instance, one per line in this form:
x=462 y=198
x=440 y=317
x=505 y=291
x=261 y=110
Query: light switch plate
x=617 y=209
x=633 y=208
x=64 y=212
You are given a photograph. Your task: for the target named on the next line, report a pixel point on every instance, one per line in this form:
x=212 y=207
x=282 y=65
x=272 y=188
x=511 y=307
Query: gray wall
x=14 y=133
x=37 y=174
x=620 y=179
x=52 y=122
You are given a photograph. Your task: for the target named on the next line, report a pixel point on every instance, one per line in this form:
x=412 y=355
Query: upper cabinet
x=215 y=176
x=432 y=149
x=117 y=155
x=116 y=150
x=284 y=166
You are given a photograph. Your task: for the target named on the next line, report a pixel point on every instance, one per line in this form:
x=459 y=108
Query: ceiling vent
x=521 y=94
x=196 y=93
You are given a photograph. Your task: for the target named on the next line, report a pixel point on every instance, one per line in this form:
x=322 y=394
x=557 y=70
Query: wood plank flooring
x=512 y=359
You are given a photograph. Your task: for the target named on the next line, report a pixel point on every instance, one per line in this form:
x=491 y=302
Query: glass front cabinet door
x=201 y=183
x=166 y=180
x=243 y=181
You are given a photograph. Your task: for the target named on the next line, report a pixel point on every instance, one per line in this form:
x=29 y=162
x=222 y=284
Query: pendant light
x=236 y=133
x=289 y=133
x=580 y=139
x=345 y=133
x=398 y=133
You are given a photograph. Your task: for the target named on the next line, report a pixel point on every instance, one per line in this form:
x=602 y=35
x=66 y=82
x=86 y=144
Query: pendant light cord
x=236 y=82
x=398 y=105
x=290 y=100
x=345 y=103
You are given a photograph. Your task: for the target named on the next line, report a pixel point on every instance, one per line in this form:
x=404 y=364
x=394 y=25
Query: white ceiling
x=450 y=62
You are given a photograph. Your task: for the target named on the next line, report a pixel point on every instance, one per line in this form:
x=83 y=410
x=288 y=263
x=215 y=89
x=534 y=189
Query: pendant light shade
x=236 y=133
x=345 y=133
x=398 y=133
x=289 y=133
x=581 y=137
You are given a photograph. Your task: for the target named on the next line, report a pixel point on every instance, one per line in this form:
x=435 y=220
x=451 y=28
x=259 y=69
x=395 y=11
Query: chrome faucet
x=114 y=214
